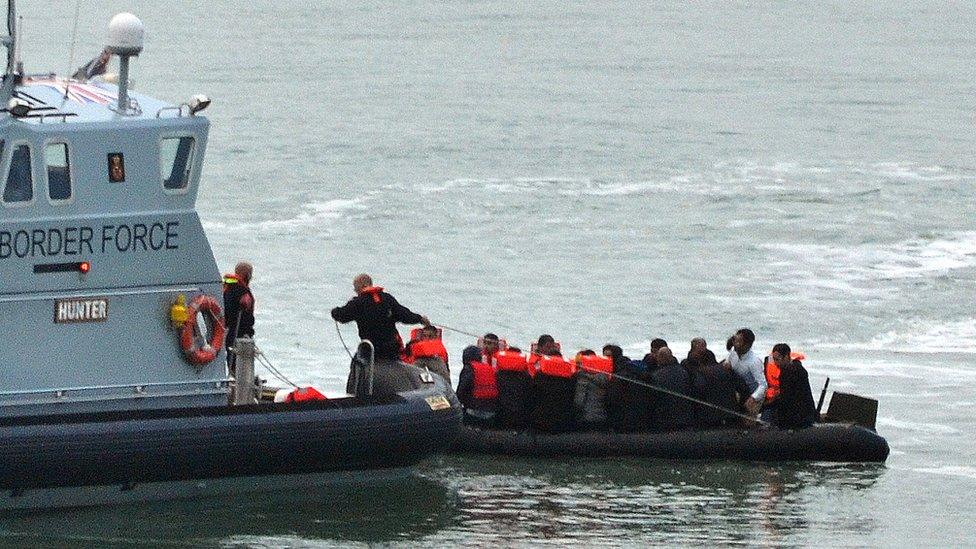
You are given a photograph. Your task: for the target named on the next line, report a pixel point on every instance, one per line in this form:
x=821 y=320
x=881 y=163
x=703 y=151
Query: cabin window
x=20 y=179
x=58 y=171
x=175 y=161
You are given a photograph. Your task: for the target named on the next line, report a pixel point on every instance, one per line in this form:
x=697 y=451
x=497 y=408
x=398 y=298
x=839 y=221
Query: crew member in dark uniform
x=238 y=307
x=376 y=314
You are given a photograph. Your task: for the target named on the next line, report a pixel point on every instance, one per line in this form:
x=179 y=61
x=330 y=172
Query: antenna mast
x=10 y=75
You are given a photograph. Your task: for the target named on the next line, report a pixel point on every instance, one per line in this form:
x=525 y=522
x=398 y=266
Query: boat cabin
x=99 y=237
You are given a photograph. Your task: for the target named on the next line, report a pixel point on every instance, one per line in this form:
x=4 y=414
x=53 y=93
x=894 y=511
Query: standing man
x=749 y=367
x=238 y=307
x=376 y=314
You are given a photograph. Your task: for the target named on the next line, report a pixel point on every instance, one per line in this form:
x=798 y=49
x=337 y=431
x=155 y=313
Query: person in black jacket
x=714 y=384
x=671 y=411
x=794 y=408
x=376 y=314
x=650 y=359
x=238 y=308
x=515 y=397
x=630 y=405
x=477 y=391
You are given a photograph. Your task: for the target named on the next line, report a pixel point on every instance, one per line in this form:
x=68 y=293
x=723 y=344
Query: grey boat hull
x=176 y=450
x=823 y=442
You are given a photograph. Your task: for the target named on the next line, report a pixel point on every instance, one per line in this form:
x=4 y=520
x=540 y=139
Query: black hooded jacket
x=672 y=411
x=376 y=314
x=238 y=304
x=794 y=408
x=630 y=406
x=718 y=386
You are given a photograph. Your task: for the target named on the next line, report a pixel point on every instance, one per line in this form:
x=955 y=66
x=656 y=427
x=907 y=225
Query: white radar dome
x=125 y=34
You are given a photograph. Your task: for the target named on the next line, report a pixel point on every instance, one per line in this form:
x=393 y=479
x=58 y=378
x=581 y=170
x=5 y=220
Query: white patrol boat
x=114 y=385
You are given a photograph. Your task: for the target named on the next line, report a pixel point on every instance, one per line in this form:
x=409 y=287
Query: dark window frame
x=8 y=164
x=190 y=162
x=70 y=172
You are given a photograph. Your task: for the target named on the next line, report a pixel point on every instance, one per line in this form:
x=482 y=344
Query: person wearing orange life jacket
x=553 y=389
x=545 y=346
x=490 y=345
x=376 y=314
x=792 y=407
x=426 y=350
x=477 y=389
x=515 y=398
x=238 y=308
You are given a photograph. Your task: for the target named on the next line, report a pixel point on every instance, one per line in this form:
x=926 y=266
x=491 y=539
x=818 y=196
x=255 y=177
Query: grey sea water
x=605 y=172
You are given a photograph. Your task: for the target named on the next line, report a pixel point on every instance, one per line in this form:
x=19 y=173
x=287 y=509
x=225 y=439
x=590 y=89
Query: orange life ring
x=190 y=335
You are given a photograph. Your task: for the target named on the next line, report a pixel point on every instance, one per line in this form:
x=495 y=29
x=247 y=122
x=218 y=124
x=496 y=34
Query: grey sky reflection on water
x=615 y=501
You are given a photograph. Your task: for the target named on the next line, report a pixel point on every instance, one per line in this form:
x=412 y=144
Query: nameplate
x=438 y=403
x=70 y=311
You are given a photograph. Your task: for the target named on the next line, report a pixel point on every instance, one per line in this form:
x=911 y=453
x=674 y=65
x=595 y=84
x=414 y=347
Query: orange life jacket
x=511 y=361
x=304 y=393
x=772 y=371
x=427 y=348
x=374 y=291
x=485 y=382
x=596 y=364
x=557 y=366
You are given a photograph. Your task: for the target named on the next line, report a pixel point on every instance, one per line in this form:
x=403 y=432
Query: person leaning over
x=794 y=407
x=376 y=314
x=747 y=364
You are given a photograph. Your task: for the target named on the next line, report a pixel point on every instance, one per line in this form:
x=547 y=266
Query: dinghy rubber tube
x=823 y=442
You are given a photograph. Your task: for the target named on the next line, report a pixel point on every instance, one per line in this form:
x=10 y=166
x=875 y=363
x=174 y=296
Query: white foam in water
x=909 y=171
x=857 y=269
x=948 y=337
x=950 y=470
x=917 y=426
x=316 y=212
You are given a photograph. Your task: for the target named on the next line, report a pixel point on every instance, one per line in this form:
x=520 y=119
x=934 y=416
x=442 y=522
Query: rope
x=263 y=359
x=344 y=346
x=684 y=396
x=71 y=56
x=462 y=332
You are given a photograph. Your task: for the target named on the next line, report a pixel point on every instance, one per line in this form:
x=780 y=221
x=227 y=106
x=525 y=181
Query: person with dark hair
x=490 y=344
x=671 y=411
x=747 y=365
x=553 y=388
x=428 y=351
x=630 y=403
x=477 y=388
x=376 y=314
x=650 y=359
x=794 y=407
x=515 y=399
x=547 y=346
x=713 y=384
